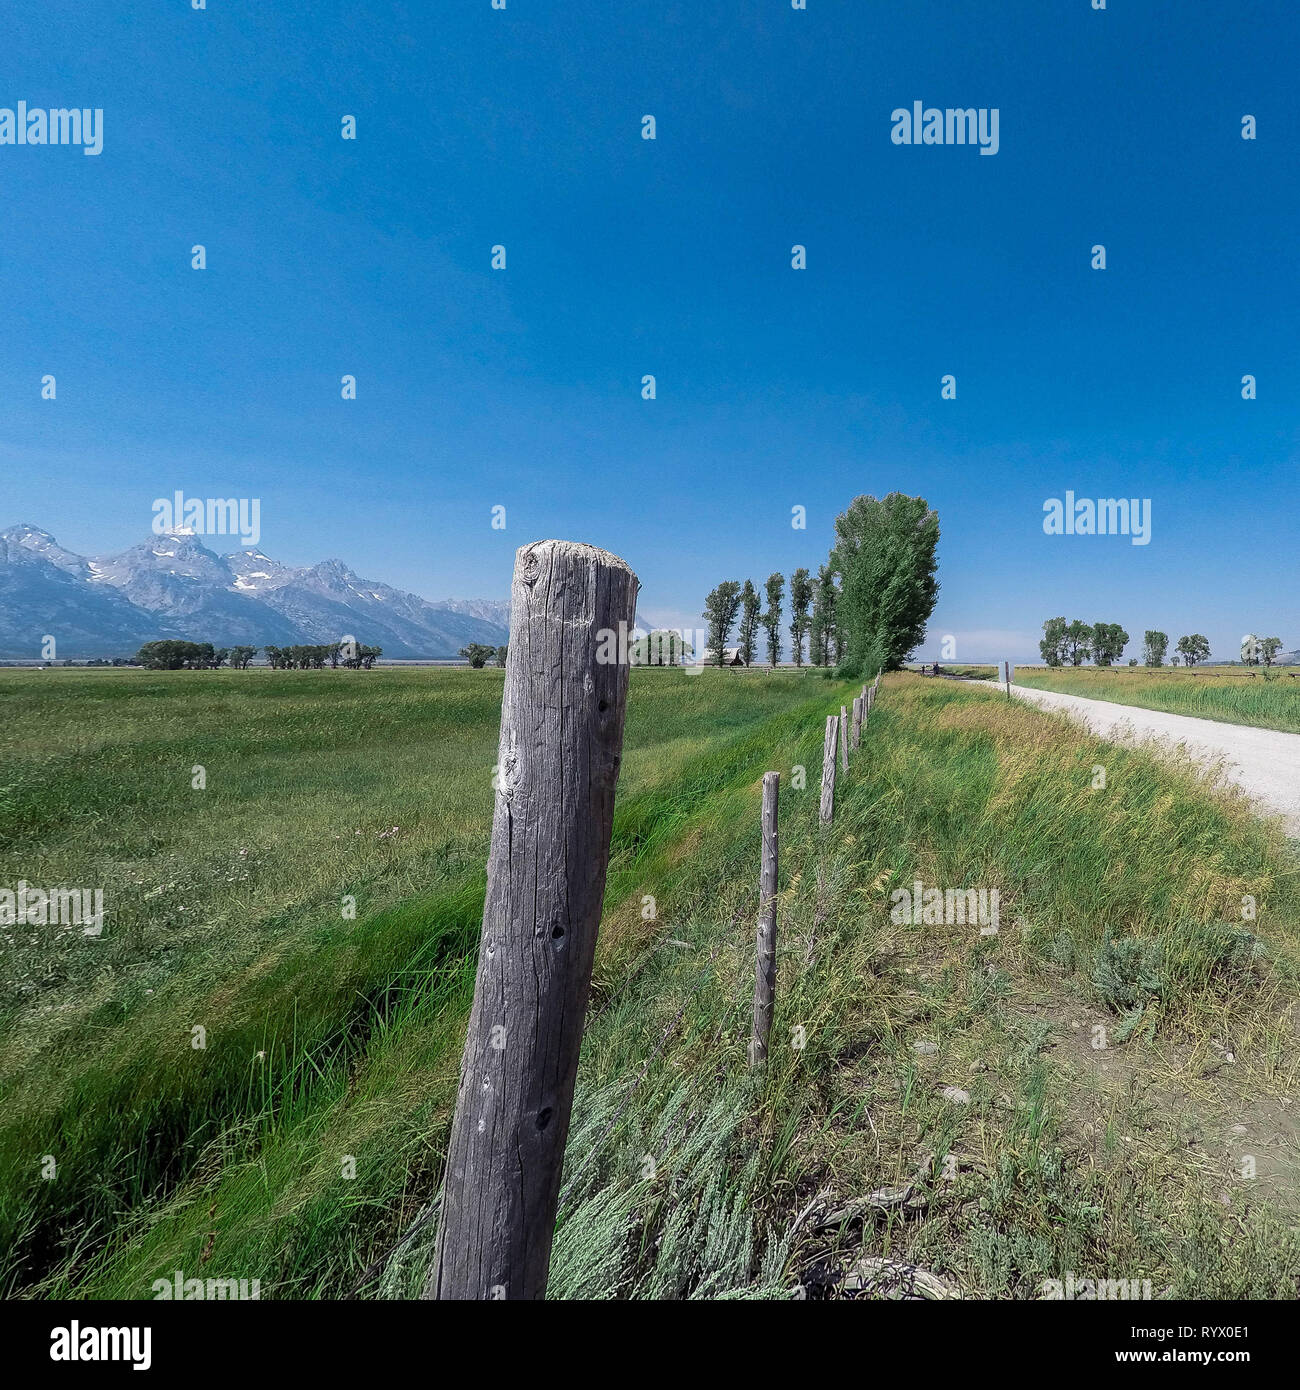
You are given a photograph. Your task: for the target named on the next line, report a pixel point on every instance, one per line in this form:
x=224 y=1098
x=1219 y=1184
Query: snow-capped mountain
x=172 y=585
x=491 y=610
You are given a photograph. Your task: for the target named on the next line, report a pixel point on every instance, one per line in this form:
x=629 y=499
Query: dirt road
x=1265 y=762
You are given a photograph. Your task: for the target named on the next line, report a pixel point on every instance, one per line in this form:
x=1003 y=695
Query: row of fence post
x=841 y=734
x=561 y=744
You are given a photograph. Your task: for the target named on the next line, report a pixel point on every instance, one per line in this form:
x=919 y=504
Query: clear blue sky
x=671 y=257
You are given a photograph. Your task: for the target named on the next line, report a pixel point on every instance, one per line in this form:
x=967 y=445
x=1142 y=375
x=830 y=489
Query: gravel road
x=1265 y=762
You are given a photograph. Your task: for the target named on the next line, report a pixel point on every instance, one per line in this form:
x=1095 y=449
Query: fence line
x=551 y=829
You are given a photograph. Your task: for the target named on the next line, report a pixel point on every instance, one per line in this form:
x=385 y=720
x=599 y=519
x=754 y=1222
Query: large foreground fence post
x=765 y=965
x=828 y=770
x=561 y=743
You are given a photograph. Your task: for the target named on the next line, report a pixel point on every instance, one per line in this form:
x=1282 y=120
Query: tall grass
x=686 y=1174
x=103 y=1070
x=1270 y=699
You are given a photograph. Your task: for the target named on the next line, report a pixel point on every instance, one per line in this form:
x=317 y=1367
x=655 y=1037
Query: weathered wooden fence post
x=856 y=732
x=828 y=770
x=844 y=739
x=765 y=964
x=561 y=743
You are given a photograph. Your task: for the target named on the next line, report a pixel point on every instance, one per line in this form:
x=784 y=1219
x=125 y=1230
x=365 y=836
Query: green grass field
x=1269 y=698
x=302 y=1145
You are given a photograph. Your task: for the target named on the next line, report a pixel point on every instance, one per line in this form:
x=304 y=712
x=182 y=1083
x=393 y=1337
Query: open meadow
x=1101 y=1086
x=1268 y=698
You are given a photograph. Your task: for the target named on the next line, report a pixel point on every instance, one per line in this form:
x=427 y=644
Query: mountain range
x=172 y=585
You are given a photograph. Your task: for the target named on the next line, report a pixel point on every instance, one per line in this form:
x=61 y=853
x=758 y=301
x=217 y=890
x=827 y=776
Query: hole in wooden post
x=544 y=1117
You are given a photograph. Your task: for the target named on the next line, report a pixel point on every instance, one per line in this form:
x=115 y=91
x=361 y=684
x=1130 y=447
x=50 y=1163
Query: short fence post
x=844 y=739
x=765 y=963
x=871 y=700
x=858 y=702
x=828 y=770
x=561 y=744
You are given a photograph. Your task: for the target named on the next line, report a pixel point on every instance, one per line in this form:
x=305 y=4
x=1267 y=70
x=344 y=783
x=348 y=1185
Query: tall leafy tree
x=1108 y=643
x=747 y=636
x=1269 y=648
x=1194 y=647
x=720 y=610
x=772 y=618
x=1052 y=647
x=1078 y=642
x=885 y=556
x=1154 y=646
x=477 y=654
x=801 y=595
x=821 y=640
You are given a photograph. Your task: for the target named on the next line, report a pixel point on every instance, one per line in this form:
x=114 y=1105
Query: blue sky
x=776 y=387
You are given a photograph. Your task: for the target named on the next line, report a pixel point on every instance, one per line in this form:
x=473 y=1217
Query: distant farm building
x=733 y=656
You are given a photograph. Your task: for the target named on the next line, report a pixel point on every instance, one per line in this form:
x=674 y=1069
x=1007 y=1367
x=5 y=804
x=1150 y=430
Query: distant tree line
x=352 y=656
x=171 y=655
x=478 y=655
x=865 y=611
x=1073 y=643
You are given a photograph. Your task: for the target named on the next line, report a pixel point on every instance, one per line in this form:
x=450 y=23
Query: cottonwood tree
x=1154 y=646
x=1078 y=642
x=1193 y=648
x=821 y=640
x=1108 y=643
x=477 y=654
x=1052 y=647
x=747 y=635
x=885 y=557
x=772 y=618
x=662 y=647
x=1250 y=649
x=1269 y=648
x=720 y=610
x=801 y=595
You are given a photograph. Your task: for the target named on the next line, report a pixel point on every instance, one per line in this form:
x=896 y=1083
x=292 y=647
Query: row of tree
x=1193 y=649
x=1071 y=644
x=730 y=601
x=868 y=606
x=1260 y=651
x=353 y=656
x=173 y=655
